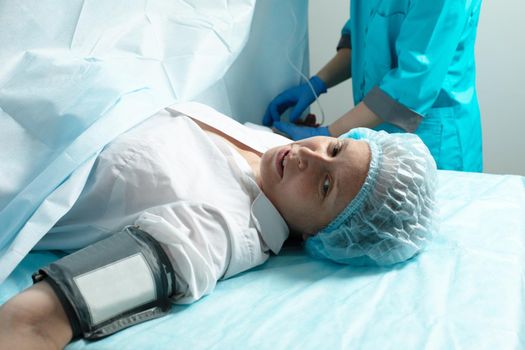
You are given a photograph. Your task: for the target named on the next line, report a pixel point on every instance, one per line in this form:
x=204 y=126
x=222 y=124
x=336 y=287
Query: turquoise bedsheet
x=466 y=291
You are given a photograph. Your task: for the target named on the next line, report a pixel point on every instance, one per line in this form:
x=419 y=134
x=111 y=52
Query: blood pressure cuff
x=113 y=284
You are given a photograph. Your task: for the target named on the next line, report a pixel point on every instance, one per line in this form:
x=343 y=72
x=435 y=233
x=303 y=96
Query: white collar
x=273 y=228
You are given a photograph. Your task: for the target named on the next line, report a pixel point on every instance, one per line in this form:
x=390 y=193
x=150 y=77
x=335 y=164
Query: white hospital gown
x=190 y=190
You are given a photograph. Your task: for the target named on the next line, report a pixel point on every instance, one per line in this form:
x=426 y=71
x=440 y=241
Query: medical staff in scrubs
x=412 y=69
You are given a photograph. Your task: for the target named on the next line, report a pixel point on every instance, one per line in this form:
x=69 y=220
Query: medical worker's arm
x=359 y=116
x=337 y=70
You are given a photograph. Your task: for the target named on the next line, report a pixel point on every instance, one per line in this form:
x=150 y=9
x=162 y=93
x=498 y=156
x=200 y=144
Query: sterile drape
x=76 y=74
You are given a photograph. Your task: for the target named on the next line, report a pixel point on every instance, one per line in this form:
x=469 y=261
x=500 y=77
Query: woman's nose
x=307 y=157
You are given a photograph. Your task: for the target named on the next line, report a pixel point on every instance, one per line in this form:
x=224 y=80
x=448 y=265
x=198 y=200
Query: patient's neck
x=252 y=156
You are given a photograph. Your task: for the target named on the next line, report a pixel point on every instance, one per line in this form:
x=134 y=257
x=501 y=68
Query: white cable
x=298 y=71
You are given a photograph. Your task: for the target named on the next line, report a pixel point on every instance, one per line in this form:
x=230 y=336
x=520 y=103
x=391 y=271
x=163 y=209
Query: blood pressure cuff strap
x=113 y=284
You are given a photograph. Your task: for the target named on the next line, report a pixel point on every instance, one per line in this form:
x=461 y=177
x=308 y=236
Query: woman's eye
x=335 y=150
x=326 y=185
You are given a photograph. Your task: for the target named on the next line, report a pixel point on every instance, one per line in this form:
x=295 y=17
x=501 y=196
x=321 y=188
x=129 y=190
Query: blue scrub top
x=413 y=65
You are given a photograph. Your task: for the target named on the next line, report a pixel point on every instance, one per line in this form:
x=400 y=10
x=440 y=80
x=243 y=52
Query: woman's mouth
x=280 y=161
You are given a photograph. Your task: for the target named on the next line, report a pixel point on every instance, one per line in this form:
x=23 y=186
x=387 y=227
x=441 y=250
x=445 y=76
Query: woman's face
x=311 y=181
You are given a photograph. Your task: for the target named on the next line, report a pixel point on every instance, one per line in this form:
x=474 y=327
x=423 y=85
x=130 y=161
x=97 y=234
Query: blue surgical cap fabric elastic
x=393 y=215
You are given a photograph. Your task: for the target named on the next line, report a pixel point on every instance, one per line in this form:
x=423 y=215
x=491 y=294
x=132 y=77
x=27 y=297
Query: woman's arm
x=34 y=319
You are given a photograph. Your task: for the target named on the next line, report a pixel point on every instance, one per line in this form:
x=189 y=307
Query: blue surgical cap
x=393 y=215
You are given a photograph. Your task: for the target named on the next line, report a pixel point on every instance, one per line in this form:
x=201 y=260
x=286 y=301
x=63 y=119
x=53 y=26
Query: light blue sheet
x=466 y=291
x=76 y=74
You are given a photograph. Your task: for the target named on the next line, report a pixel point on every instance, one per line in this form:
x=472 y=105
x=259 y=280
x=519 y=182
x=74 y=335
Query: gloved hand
x=299 y=97
x=300 y=132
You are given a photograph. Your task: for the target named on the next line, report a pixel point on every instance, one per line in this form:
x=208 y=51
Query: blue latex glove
x=296 y=132
x=299 y=97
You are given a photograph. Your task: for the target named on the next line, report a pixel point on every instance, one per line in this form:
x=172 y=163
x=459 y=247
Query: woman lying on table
x=190 y=197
